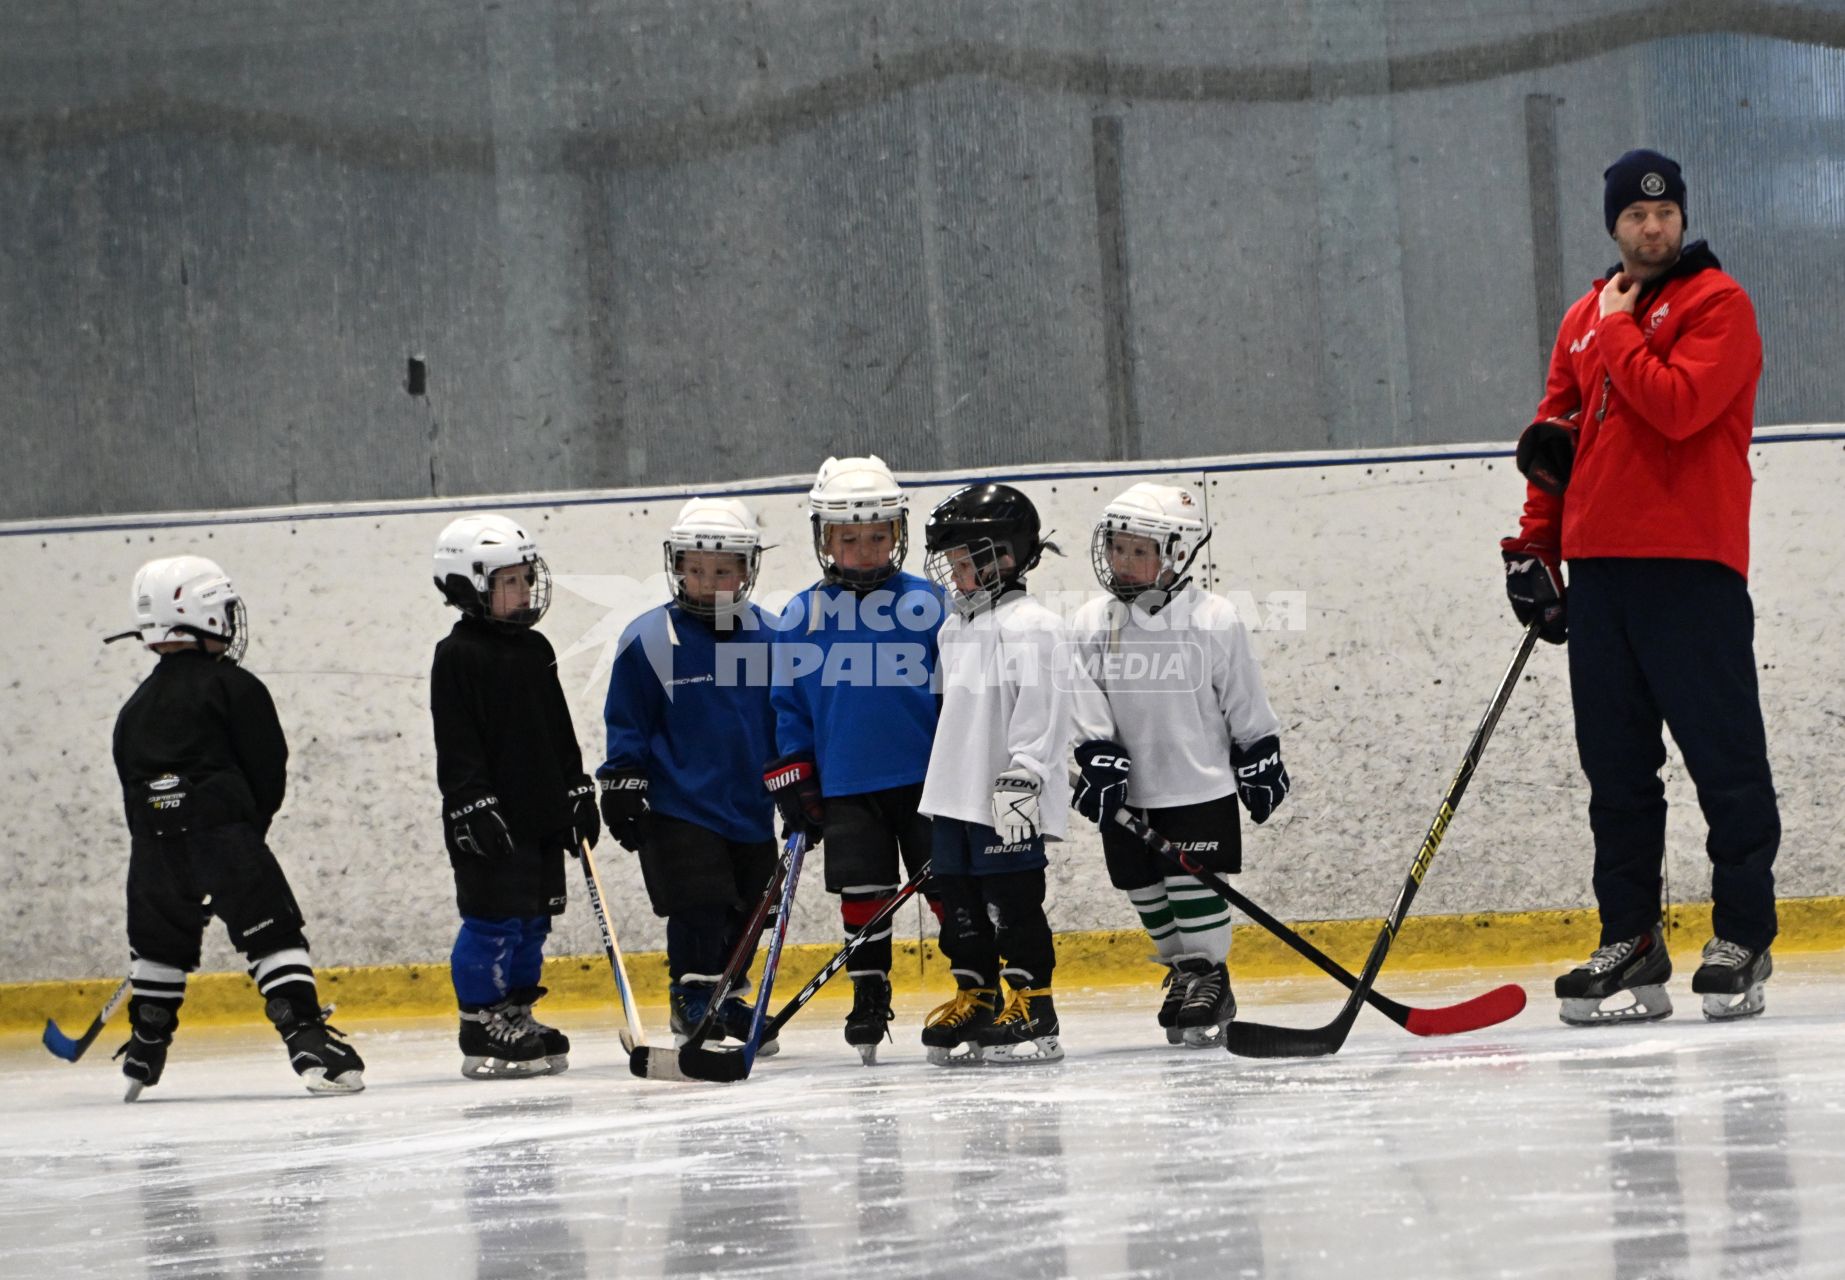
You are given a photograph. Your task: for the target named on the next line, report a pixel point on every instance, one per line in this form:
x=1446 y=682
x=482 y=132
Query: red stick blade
x=1501 y=1004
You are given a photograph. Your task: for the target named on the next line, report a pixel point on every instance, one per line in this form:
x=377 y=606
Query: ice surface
x=1675 y=1149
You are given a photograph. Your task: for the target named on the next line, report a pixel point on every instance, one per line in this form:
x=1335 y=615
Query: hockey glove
x=794 y=783
x=1547 y=451
x=1015 y=805
x=1261 y=778
x=475 y=829
x=1104 y=784
x=1534 y=585
x=624 y=805
x=587 y=828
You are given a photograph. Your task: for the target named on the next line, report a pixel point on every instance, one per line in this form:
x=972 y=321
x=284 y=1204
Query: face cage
x=540 y=599
x=236 y=636
x=990 y=583
x=862 y=579
x=711 y=612
x=1128 y=593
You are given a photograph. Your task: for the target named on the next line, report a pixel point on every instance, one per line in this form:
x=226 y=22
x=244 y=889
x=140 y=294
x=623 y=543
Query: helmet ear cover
x=189 y=599
x=475 y=547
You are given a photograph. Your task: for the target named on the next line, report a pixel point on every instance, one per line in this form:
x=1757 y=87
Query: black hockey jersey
x=503 y=728
x=210 y=726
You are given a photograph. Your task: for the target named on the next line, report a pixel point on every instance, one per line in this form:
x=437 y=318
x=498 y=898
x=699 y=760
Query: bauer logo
x=165 y=782
x=1143 y=665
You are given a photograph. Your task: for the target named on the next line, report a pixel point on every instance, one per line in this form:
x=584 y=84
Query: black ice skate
x=1178 y=986
x=556 y=1043
x=735 y=1017
x=952 y=1031
x=1635 y=967
x=1025 y=1031
x=495 y=1045
x=144 y=1057
x=1730 y=980
x=1209 y=1007
x=318 y=1053
x=868 y=1025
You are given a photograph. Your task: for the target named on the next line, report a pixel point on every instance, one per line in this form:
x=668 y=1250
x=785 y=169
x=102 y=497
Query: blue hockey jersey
x=854 y=682
x=691 y=707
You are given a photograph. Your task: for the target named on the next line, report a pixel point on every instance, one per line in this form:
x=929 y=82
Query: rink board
x=1372 y=582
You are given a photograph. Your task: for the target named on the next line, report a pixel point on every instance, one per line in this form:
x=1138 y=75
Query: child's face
x=509 y=590
x=713 y=575
x=1134 y=559
x=966 y=566
x=861 y=546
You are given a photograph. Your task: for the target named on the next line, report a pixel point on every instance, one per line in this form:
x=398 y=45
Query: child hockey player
x=855 y=714
x=515 y=798
x=203 y=766
x=996 y=784
x=689 y=726
x=1165 y=679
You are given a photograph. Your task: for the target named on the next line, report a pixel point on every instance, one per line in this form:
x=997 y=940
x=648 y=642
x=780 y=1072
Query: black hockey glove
x=1104 y=785
x=1547 y=452
x=474 y=828
x=795 y=785
x=587 y=827
x=624 y=805
x=1534 y=585
x=1261 y=778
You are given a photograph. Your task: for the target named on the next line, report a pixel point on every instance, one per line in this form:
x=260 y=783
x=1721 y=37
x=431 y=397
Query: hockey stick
x=1485 y=1010
x=632 y=1035
x=727 y=1066
x=844 y=954
x=661 y=1063
x=1262 y=1040
x=71 y=1050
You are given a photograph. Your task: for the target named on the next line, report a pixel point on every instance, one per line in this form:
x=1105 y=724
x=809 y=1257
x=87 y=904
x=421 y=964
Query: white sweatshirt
x=1175 y=688
x=1005 y=704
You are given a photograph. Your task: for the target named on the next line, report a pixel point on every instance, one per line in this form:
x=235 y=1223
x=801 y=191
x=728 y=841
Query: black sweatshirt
x=212 y=723
x=503 y=728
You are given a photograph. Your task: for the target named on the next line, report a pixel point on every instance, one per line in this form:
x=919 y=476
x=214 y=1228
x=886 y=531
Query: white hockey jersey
x=1175 y=688
x=1005 y=704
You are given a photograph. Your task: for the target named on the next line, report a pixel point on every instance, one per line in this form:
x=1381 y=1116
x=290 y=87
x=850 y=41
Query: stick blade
x=1262 y=1040
x=1489 y=1009
x=60 y=1044
x=710 y=1066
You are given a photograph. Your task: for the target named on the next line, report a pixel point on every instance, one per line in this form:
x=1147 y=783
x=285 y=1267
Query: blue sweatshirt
x=692 y=709
x=854 y=682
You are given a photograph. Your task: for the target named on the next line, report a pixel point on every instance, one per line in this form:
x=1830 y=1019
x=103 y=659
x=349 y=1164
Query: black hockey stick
x=71 y=1050
x=838 y=962
x=633 y=1034
x=1485 y=1010
x=1262 y=1040
x=661 y=1063
x=727 y=1066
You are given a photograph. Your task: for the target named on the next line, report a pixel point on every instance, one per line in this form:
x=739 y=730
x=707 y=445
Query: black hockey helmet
x=990 y=523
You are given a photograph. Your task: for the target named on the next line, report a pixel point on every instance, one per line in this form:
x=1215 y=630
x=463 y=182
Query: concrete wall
x=1374 y=580
x=653 y=241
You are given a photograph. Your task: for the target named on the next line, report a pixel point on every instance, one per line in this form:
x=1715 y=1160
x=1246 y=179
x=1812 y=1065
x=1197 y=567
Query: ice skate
x=1633 y=971
x=318 y=1053
x=1730 y=980
x=144 y=1057
x=495 y=1045
x=687 y=1003
x=1178 y=985
x=952 y=1031
x=735 y=1017
x=1025 y=1031
x=556 y=1043
x=1208 y=1009
x=868 y=1025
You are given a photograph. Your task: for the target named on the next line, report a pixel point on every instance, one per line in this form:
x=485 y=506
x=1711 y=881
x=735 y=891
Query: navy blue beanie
x=1640 y=175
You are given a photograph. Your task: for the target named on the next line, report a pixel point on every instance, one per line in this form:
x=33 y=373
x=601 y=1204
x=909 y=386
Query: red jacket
x=1667 y=401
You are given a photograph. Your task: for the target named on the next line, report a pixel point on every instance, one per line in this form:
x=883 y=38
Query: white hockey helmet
x=1168 y=515
x=472 y=548
x=713 y=524
x=188 y=598
x=858 y=491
